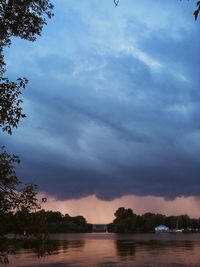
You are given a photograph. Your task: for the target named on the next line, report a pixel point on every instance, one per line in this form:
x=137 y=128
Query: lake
x=102 y=249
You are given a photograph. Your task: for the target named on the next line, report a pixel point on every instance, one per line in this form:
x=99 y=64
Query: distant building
x=162 y=229
x=99 y=228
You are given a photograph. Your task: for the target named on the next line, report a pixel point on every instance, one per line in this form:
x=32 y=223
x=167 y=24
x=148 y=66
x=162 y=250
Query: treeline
x=128 y=222
x=27 y=223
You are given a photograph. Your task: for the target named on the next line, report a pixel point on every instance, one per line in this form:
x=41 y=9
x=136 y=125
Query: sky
x=113 y=108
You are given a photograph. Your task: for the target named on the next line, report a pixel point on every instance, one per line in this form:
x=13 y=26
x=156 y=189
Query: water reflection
x=153 y=252
x=38 y=247
x=125 y=248
x=130 y=247
x=107 y=250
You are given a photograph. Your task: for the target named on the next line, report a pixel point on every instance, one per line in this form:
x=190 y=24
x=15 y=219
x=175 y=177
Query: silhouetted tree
x=125 y=221
x=14 y=197
x=23 y=19
x=128 y=222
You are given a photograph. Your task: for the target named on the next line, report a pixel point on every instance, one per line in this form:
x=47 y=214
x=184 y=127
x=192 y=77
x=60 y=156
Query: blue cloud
x=112 y=102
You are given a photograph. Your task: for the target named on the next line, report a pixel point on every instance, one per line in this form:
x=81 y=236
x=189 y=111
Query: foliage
x=57 y=223
x=125 y=221
x=28 y=224
x=23 y=19
x=128 y=222
x=13 y=196
x=41 y=223
x=17 y=201
x=11 y=111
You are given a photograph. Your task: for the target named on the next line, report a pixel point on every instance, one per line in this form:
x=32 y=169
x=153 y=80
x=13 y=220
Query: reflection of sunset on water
x=115 y=250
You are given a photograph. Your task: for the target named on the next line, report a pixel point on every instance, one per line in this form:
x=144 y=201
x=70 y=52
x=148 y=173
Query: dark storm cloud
x=115 y=115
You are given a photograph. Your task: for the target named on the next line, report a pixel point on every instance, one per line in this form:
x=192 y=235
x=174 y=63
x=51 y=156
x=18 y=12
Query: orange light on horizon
x=100 y=211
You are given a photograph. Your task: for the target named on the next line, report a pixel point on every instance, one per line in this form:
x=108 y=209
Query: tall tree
x=24 y=19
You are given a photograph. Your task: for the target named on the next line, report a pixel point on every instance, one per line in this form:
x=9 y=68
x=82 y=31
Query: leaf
x=196 y=13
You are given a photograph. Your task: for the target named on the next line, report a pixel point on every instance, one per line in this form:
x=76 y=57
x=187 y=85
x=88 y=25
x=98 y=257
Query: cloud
x=112 y=103
x=99 y=211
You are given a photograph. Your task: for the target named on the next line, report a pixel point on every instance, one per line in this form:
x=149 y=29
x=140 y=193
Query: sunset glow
x=99 y=211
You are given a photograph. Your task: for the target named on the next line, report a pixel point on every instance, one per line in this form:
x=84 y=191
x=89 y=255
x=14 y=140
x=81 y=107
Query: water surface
x=141 y=250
